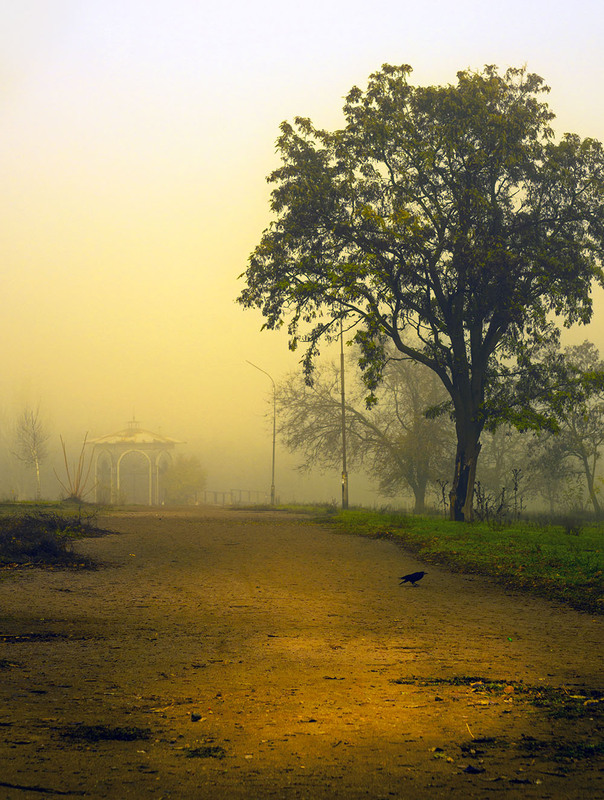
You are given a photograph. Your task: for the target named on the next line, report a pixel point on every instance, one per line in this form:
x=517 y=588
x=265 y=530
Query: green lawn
x=545 y=559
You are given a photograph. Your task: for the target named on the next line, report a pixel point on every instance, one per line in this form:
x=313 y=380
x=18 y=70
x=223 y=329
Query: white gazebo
x=129 y=465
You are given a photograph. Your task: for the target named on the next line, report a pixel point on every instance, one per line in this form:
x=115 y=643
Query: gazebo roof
x=134 y=435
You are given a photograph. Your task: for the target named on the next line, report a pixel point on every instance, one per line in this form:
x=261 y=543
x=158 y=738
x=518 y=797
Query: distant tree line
x=404 y=441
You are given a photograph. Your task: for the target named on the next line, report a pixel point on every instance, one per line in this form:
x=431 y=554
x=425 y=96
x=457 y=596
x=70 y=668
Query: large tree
x=447 y=210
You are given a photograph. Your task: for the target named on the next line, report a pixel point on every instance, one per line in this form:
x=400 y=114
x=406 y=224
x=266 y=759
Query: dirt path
x=265 y=657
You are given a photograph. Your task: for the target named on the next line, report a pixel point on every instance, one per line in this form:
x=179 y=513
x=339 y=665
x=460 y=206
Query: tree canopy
x=449 y=211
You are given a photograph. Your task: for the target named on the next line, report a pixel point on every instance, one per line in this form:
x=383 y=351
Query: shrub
x=42 y=538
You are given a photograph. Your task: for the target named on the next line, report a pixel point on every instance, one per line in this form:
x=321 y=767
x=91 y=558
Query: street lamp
x=343 y=395
x=274 y=428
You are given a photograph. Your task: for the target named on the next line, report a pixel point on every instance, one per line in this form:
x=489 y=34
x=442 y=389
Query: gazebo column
x=115 y=481
x=150 y=482
x=156 y=480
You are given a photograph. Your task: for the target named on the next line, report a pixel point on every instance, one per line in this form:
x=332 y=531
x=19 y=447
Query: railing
x=236 y=497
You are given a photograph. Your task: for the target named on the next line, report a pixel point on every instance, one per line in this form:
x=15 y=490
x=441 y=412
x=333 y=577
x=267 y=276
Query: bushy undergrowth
x=44 y=537
x=553 y=560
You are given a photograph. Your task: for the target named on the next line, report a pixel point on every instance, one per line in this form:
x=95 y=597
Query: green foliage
x=318 y=509
x=542 y=559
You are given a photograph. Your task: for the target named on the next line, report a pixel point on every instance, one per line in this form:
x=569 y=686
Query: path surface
x=267 y=657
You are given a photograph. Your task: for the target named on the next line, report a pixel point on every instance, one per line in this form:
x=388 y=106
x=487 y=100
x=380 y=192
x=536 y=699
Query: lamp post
x=344 y=470
x=274 y=428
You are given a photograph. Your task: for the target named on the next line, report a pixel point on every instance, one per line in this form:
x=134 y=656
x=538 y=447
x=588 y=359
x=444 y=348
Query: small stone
x=472 y=770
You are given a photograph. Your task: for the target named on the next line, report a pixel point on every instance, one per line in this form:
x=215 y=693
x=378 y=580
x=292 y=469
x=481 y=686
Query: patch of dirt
x=233 y=654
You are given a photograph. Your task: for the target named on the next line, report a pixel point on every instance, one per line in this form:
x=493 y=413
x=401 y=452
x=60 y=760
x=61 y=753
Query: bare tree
x=580 y=414
x=30 y=438
x=550 y=471
x=396 y=442
x=566 y=454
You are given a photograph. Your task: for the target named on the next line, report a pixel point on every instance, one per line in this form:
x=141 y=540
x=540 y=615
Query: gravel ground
x=237 y=654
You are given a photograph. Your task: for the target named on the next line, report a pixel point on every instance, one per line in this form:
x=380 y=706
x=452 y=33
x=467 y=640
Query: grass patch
x=542 y=558
x=44 y=537
x=555 y=702
x=206 y=751
x=309 y=509
x=561 y=751
x=562 y=705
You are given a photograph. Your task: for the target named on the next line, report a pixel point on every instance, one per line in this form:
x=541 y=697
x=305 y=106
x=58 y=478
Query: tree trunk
x=591 y=488
x=38 y=482
x=461 y=497
x=419 y=492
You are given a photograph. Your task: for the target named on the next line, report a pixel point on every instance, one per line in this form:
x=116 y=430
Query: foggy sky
x=136 y=139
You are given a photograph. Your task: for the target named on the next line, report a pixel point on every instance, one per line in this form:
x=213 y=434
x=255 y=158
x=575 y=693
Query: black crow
x=413 y=578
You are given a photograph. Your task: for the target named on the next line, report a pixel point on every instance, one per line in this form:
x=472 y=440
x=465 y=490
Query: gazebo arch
x=116 y=482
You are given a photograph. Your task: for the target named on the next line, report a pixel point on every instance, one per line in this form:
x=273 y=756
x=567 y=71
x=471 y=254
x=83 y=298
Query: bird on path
x=412 y=578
